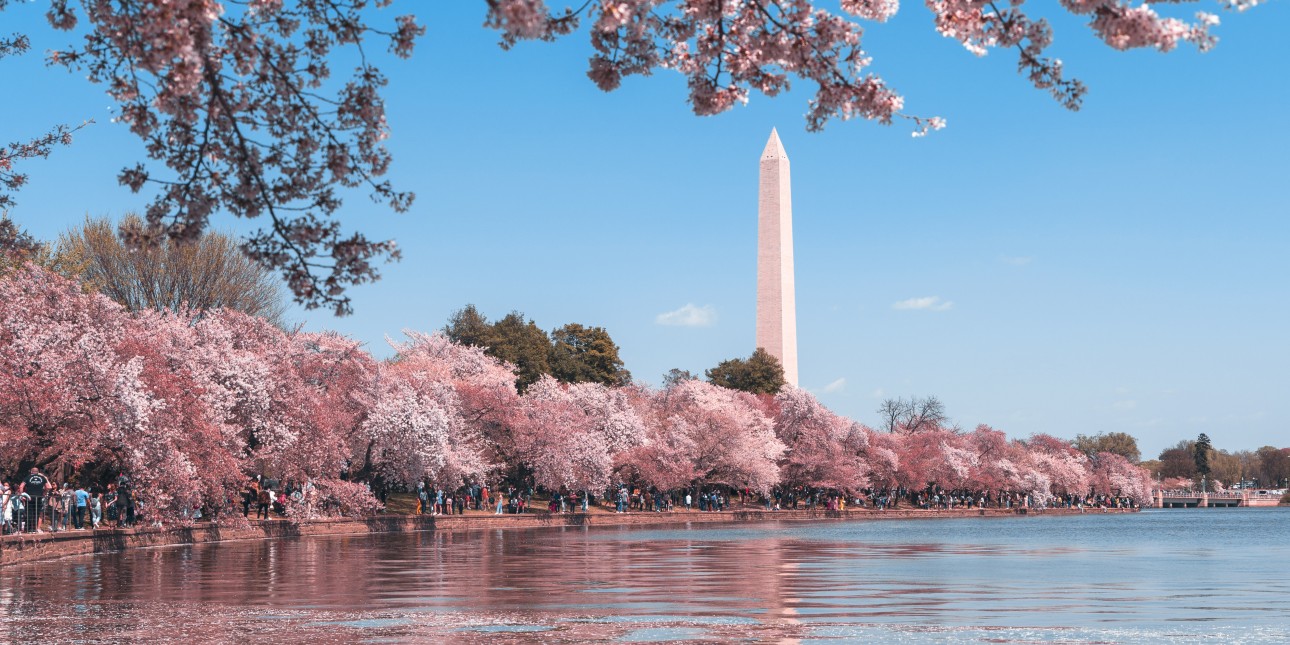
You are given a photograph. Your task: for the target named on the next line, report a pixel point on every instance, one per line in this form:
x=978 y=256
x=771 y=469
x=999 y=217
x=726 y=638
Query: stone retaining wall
x=29 y=547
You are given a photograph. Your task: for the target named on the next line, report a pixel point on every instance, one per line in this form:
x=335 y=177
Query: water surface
x=1184 y=576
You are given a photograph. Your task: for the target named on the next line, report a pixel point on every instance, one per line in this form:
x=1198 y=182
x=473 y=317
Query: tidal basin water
x=1170 y=576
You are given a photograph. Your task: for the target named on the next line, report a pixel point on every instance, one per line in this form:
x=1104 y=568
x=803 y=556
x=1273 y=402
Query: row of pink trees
x=190 y=405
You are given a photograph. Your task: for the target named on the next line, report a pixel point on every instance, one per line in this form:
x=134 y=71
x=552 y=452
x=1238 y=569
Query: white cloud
x=1125 y=405
x=878 y=393
x=688 y=316
x=928 y=303
x=836 y=386
x=1017 y=260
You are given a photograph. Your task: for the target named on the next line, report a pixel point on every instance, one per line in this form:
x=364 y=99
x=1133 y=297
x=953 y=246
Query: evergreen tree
x=586 y=355
x=523 y=344
x=760 y=373
x=1200 y=452
x=467 y=326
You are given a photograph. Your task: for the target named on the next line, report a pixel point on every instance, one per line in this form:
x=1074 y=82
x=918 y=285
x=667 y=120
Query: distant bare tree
x=912 y=415
x=210 y=272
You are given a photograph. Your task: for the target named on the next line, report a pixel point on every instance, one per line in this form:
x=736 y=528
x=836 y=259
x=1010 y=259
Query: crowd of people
x=625 y=499
x=36 y=504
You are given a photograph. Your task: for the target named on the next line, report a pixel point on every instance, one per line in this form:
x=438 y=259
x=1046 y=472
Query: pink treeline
x=191 y=405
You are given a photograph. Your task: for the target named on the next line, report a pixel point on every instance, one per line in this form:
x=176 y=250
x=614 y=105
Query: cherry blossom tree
x=884 y=457
x=417 y=432
x=1114 y=475
x=573 y=435
x=483 y=389
x=823 y=449
x=173 y=442
x=722 y=435
x=1000 y=464
x=933 y=457
x=558 y=441
x=63 y=387
x=1066 y=468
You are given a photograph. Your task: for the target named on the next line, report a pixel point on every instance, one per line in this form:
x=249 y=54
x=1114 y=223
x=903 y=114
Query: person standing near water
x=96 y=506
x=81 y=503
x=35 y=489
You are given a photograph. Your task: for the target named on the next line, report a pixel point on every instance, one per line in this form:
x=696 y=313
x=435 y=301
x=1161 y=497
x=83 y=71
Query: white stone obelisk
x=776 y=303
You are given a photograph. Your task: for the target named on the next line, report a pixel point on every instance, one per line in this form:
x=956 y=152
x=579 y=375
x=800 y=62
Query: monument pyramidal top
x=776 y=300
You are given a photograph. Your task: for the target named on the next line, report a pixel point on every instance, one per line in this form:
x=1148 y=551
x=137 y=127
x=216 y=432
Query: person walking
x=96 y=506
x=264 y=499
x=81 y=502
x=250 y=495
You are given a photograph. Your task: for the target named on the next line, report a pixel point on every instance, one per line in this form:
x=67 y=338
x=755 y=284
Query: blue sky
x=1123 y=268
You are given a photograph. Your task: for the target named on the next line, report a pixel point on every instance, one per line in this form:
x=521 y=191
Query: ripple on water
x=1085 y=580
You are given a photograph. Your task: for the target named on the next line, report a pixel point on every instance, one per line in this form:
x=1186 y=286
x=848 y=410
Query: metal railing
x=49 y=515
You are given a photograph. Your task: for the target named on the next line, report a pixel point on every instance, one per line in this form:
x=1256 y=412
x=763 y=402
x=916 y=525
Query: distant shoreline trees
x=190 y=405
x=572 y=353
x=1265 y=467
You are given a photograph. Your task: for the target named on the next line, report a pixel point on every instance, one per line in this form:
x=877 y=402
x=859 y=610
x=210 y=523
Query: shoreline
x=36 y=547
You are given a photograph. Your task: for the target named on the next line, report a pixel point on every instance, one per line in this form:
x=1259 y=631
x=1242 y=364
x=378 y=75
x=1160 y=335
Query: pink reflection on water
x=572 y=585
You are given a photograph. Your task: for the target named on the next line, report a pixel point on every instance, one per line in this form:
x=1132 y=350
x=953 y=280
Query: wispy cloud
x=688 y=316
x=836 y=386
x=1125 y=405
x=1017 y=260
x=926 y=303
x=878 y=393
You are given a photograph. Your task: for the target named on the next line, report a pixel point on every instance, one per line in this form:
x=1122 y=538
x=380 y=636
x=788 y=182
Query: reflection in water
x=1165 y=576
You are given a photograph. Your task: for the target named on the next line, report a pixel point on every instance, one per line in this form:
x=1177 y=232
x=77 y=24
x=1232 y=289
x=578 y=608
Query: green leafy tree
x=1119 y=443
x=512 y=339
x=1200 y=452
x=523 y=344
x=586 y=355
x=760 y=373
x=467 y=326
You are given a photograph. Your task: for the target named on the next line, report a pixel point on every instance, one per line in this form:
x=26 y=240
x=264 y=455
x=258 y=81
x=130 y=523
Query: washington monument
x=776 y=304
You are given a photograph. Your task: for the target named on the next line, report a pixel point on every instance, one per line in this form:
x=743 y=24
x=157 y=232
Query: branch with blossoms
x=14 y=45
x=238 y=103
x=38 y=148
x=729 y=48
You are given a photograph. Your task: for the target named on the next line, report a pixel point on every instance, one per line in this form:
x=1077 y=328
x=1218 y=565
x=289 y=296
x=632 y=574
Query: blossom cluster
x=190 y=404
x=729 y=48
